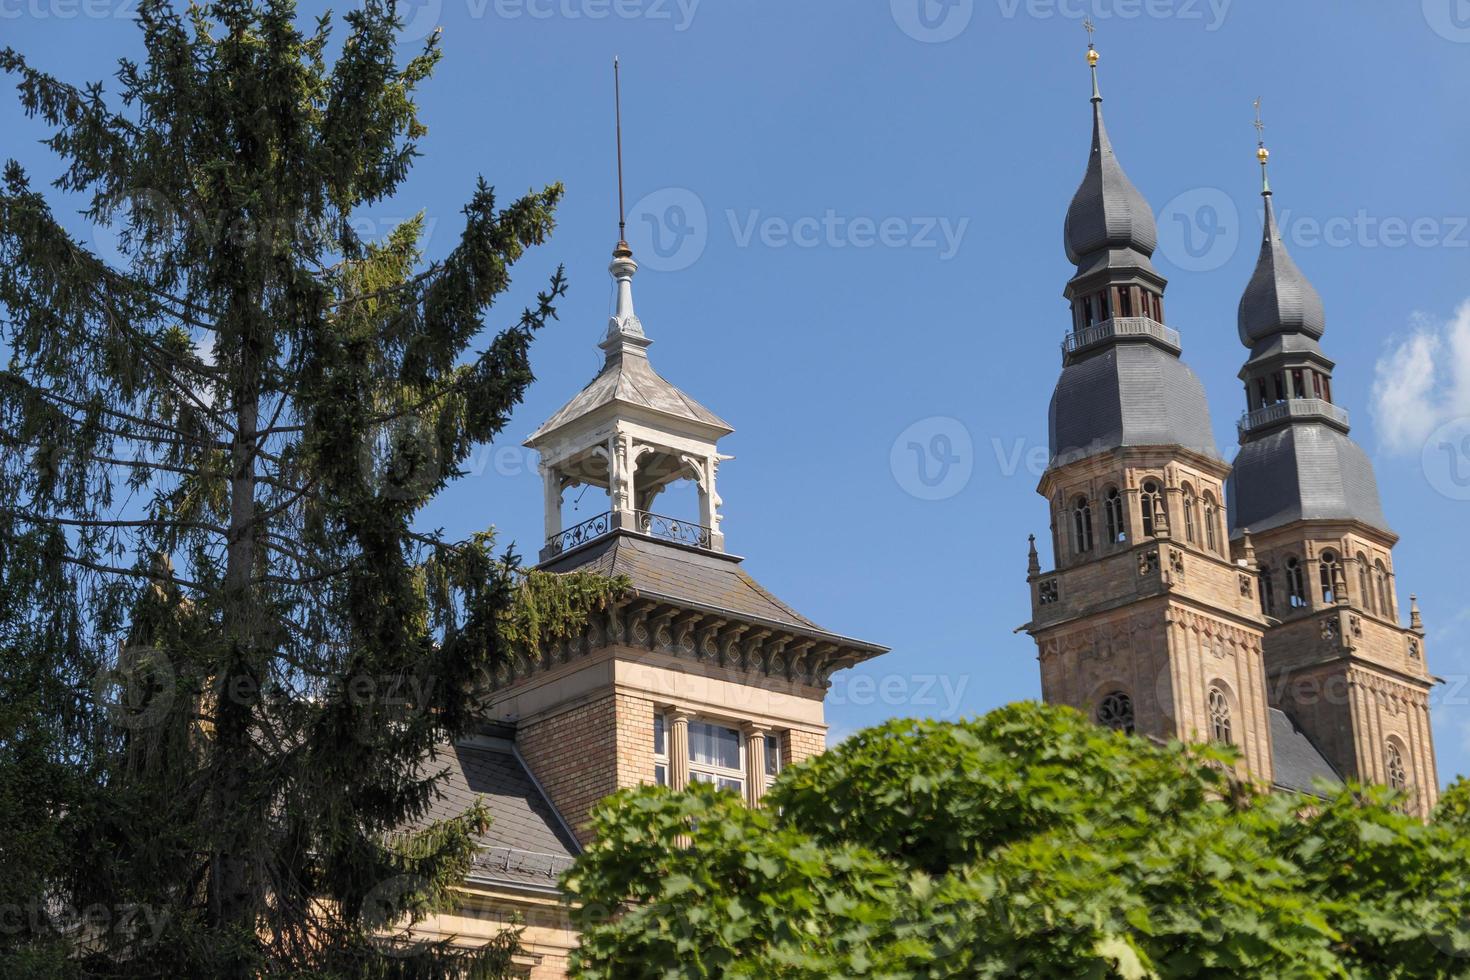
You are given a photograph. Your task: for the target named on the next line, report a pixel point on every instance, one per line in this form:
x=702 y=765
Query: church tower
x=1304 y=499
x=1146 y=623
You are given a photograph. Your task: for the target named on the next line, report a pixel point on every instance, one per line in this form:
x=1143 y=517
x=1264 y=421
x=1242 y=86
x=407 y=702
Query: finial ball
x=1092 y=57
x=1263 y=154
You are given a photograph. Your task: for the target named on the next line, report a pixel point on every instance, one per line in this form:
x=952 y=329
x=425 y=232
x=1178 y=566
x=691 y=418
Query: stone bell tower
x=1304 y=499
x=1146 y=623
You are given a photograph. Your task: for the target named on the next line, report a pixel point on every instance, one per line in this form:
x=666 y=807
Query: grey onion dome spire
x=1278 y=299
x=1107 y=212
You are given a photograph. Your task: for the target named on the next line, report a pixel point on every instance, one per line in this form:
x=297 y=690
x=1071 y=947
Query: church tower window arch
x=1296 y=586
x=1081 y=525
x=1393 y=764
x=1221 y=728
x=1116 y=523
x=1115 y=711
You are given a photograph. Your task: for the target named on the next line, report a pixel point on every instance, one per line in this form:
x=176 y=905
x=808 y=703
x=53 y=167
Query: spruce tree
x=227 y=644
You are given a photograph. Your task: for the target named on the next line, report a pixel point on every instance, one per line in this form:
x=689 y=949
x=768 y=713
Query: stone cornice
x=757 y=648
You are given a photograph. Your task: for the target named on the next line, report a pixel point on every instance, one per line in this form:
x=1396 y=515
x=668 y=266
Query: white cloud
x=1422 y=380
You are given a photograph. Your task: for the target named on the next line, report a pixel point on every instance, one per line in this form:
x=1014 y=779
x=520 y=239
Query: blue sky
x=849 y=219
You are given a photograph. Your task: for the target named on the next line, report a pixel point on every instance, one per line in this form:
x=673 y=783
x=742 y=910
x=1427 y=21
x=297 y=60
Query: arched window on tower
x=1190 y=503
x=1393 y=764
x=1152 y=504
x=1296 y=586
x=1328 y=575
x=1220 y=730
x=1113 y=505
x=1081 y=525
x=1268 y=591
x=1115 y=711
x=1385 y=591
x=1212 y=523
x=1365 y=586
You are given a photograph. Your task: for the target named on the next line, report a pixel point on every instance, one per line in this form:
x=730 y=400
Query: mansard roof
x=527 y=843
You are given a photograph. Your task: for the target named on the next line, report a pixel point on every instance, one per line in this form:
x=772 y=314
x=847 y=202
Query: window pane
x=723 y=782
x=773 y=754
x=659 y=747
x=714 y=745
x=661 y=775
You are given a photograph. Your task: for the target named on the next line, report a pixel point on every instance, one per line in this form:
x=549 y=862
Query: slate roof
x=1107 y=211
x=1128 y=394
x=1278 y=298
x=690 y=577
x=526 y=842
x=1304 y=471
x=629 y=379
x=1296 y=761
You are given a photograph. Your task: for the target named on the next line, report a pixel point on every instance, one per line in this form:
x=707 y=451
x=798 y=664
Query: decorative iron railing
x=1292 y=409
x=670 y=529
x=653 y=525
x=1119 y=326
x=579 y=534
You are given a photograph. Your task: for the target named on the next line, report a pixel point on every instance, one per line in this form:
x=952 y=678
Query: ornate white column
x=551 y=484
x=755 y=763
x=678 y=748
x=621 y=462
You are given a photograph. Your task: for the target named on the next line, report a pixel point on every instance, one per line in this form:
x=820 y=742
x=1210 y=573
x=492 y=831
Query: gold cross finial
x=1262 y=154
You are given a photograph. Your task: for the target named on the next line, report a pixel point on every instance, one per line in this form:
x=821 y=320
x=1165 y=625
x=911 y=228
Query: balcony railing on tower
x=1120 y=326
x=654 y=525
x=1295 y=408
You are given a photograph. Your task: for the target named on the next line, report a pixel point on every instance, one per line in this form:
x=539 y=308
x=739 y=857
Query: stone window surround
x=675 y=757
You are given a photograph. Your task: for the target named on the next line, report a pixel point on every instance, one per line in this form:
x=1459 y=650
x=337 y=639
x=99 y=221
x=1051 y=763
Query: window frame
x=1115 y=711
x=1116 y=516
x=1222 y=729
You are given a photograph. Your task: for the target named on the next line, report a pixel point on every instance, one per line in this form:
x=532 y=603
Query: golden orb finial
x=1262 y=154
x=1092 y=57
